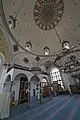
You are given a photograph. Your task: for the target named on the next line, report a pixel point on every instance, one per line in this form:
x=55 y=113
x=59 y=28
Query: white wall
x=18 y=59
x=6 y=87
x=2 y=78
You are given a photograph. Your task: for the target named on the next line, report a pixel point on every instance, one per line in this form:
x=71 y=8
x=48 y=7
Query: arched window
x=44 y=81
x=56 y=77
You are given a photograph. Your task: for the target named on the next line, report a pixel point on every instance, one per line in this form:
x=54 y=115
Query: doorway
x=34 y=88
x=23 y=94
x=33 y=92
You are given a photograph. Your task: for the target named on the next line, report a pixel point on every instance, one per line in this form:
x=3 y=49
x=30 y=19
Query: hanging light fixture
x=28 y=46
x=46 y=50
x=12 y=22
x=12 y=19
x=66 y=45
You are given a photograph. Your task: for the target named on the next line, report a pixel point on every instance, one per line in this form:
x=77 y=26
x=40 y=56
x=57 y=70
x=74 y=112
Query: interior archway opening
x=57 y=81
x=34 y=88
x=21 y=82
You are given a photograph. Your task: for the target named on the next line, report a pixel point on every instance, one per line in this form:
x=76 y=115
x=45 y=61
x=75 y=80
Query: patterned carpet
x=59 y=108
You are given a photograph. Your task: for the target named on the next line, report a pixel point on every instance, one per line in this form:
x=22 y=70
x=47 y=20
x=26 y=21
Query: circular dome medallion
x=48 y=13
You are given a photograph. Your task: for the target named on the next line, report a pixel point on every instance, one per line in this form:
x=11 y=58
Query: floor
x=65 y=107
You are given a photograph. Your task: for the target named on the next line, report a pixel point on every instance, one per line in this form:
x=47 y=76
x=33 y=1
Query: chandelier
x=46 y=50
x=65 y=45
x=12 y=19
x=68 y=61
x=28 y=46
x=12 y=22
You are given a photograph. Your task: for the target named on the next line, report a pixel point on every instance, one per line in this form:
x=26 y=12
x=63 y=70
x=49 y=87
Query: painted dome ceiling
x=36 y=21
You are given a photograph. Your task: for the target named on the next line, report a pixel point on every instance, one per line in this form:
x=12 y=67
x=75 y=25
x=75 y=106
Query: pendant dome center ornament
x=48 y=13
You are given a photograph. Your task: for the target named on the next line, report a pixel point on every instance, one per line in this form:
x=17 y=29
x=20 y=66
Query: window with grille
x=55 y=76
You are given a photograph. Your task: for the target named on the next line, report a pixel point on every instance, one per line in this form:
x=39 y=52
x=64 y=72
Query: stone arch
x=41 y=76
x=35 y=77
x=20 y=86
x=28 y=74
x=20 y=75
x=51 y=67
x=45 y=86
x=45 y=79
x=34 y=87
x=54 y=68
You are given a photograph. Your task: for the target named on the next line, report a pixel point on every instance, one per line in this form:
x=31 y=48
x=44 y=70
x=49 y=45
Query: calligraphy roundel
x=48 y=13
